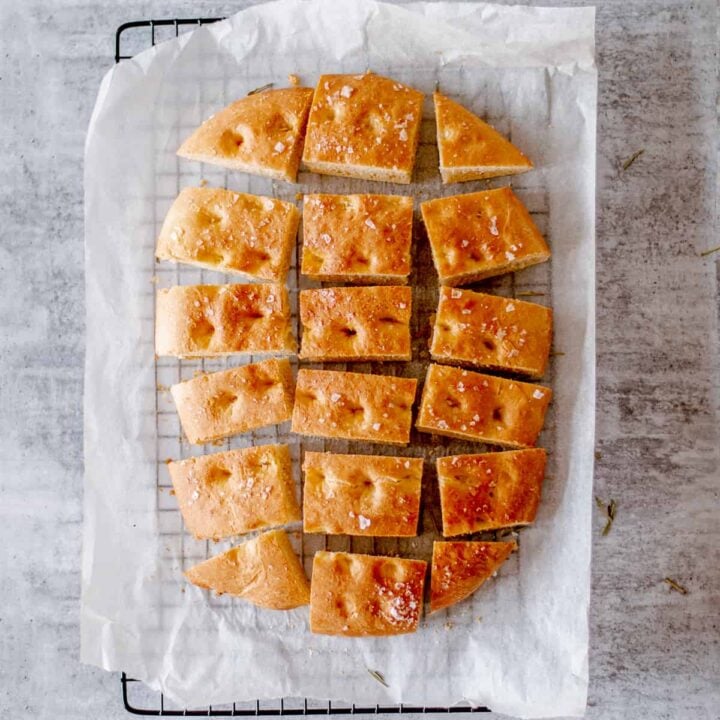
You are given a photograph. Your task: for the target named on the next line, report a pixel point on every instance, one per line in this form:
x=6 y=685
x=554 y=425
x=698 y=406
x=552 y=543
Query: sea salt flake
x=346 y=91
x=279 y=147
x=334 y=397
x=370 y=224
x=493 y=226
x=363 y=522
x=376 y=426
x=538 y=394
x=510 y=307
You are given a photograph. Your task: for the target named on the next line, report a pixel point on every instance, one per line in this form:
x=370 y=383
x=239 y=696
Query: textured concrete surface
x=655 y=653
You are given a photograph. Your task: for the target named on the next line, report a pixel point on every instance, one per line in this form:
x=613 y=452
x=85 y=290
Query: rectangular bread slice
x=493 y=332
x=222 y=230
x=216 y=405
x=370 y=495
x=220 y=320
x=364 y=595
x=356 y=323
x=468 y=405
x=480 y=235
x=362 y=239
x=490 y=491
x=237 y=491
x=354 y=406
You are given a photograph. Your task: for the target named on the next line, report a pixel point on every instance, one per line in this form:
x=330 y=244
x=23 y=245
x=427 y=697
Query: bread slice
x=469 y=148
x=356 y=324
x=357 y=238
x=363 y=126
x=372 y=495
x=260 y=134
x=490 y=491
x=216 y=405
x=264 y=571
x=488 y=331
x=363 y=595
x=220 y=320
x=480 y=235
x=460 y=568
x=353 y=406
x=468 y=405
x=235 y=492
x=221 y=230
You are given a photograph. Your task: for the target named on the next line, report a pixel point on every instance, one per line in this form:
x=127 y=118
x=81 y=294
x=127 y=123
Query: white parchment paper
x=519 y=645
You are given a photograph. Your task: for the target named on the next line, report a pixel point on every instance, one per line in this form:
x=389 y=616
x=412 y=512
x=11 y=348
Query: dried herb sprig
x=529 y=293
x=632 y=158
x=262 y=88
x=610 y=512
x=705 y=253
x=676 y=586
x=377 y=676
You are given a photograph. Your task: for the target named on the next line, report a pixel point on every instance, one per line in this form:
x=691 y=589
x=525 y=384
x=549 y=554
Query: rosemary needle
x=260 y=89
x=377 y=676
x=705 y=253
x=632 y=159
x=675 y=585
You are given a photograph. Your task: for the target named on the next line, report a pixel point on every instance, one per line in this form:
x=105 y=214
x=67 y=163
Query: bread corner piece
x=490 y=491
x=363 y=595
x=469 y=148
x=363 y=126
x=460 y=568
x=480 y=235
x=264 y=571
x=261 y=134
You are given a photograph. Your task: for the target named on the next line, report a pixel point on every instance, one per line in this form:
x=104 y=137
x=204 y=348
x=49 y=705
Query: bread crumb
x=293 y=79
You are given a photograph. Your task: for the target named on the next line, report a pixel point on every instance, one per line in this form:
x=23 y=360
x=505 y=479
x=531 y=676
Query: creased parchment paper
x=520 y=644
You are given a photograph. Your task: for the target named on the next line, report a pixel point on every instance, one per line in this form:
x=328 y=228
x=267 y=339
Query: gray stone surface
x=654 y=653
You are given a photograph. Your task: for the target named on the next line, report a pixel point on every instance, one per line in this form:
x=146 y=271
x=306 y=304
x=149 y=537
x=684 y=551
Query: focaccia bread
x=493 y=332
x=264 y=571
x=261 y=133
x=460 y=568
x=362 y=595
x=468 y=405
x=357 y=238
x=231 y=232
x=469 y=148
x=370 y=495
x=234 y=492
x=489 y=491
x=356 y=323
x=480 y=235
x=216 y=405
x=220 y=320
x=354 y=406
x=364 y=126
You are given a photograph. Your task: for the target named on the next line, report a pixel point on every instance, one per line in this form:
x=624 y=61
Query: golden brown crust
x=234 y=492
x=490 y=491
x=218 y=320
x=264 y=571
x=356 y=323
x=232 y=232
x=354 y=406
x=357 y=238
x=469 y=148
x=460 y=568
x=364 y=126
x=361 y=595
x=493 y=332
x=482 y=234
x=260 y=133
x=469 y=405
x=217 y=405
x=361 y=494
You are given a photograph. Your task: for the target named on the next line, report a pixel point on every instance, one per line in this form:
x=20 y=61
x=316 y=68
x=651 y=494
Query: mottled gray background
x=654 y=653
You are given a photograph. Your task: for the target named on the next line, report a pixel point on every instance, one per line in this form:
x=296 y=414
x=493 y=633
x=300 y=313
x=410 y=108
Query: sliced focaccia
x=364 y=126
x=261 y=133
x=219 y=320
x=493 y=332
x=356 y=323
x=469 y=405
x=361 y=494
x=354 y=406
x=231 y=232
x=234 y=492
x=357 y=238
x=264 y=571
x=489 y=491
x=460 y=568
x=469 y=148
x=362 y=595
x=216 y=405
x=482 y=234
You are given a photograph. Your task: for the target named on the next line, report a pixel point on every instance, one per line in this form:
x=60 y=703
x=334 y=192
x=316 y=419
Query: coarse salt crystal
x=403 y=135
x=538 y=394
x=325 y=238
x=363 y=522
x=370 y=223
x=346 y=91
x=279 y=147
x=493 y=226
x=455 y=294
x=402 y=305
x=509 y=256
x=376 y=426
x=510 y=307
x=334 y=397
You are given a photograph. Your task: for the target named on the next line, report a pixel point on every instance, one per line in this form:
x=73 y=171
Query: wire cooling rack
x=131 y=38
